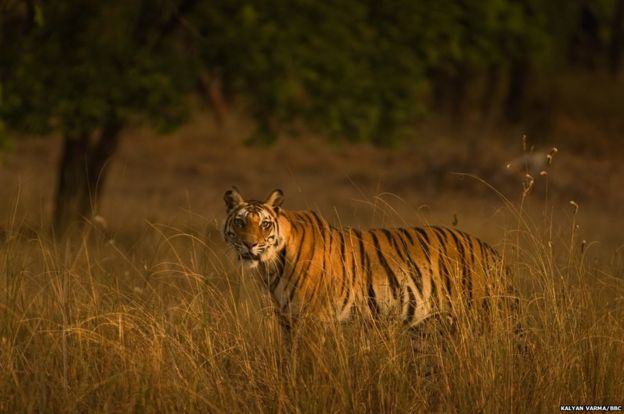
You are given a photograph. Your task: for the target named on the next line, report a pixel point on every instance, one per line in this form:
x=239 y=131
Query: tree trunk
x=617 y=38
x=211 y=89
x=81 y=175
x=515 y=101
x=449 y=92
x=490 y=93
x=459 y=85
x=440 y=90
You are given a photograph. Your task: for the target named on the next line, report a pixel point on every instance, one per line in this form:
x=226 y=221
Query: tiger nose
x=250 y=245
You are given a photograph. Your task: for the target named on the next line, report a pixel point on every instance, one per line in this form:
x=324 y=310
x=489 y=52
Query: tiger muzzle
x=249 y=256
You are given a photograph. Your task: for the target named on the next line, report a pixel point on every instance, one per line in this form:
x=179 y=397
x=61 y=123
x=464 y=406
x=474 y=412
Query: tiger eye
x=240 y=223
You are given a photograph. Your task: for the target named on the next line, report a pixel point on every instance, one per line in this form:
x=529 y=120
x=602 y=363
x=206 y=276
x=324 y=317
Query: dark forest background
x=354 y=70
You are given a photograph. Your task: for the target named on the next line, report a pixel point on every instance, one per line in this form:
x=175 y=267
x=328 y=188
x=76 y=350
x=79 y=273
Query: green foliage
x=358 y=69
x=77 y=64
x=355 y=69
x=337 y=66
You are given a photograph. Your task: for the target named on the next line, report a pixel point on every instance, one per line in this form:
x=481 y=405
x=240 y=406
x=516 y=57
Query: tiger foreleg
x=287 y=329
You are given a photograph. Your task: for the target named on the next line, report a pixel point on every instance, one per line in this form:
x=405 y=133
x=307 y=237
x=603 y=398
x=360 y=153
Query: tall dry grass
x=161 y=320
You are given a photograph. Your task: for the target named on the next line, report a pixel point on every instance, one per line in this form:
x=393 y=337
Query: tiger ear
x=275 y=200
x=233 y=199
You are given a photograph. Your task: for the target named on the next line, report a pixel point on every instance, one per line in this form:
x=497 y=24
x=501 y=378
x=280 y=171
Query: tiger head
x=252 y=227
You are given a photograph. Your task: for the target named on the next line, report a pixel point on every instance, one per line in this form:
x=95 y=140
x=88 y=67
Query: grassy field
x=148 y=311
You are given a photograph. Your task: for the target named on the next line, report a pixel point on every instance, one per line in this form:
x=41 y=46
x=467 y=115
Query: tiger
x=312 y=266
